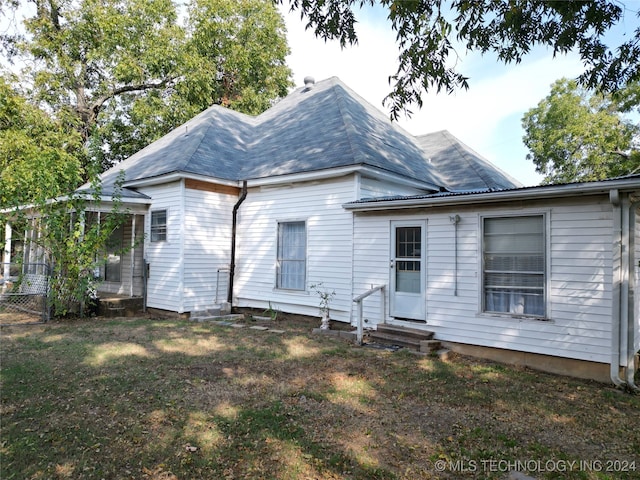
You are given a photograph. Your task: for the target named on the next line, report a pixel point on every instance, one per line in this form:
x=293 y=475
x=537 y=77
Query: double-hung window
x=159 y=226
x=291 y=267
x=514 y=264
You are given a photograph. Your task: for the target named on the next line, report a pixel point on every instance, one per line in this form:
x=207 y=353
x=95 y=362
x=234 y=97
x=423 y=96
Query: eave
x=527 y=193
x=329 y=173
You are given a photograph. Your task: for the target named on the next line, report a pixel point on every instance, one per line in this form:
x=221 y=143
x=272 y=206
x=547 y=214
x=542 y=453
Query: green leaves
x=39 y=156
x=426 y=31
x=131 y=70
x=579 y=135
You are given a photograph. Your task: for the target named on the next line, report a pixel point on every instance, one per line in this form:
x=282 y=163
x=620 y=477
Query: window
x=291 y=268
x=159 y=226
x=514 y=265
x=408 y=256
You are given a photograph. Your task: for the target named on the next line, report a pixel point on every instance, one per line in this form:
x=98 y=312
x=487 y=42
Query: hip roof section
x=320 y=126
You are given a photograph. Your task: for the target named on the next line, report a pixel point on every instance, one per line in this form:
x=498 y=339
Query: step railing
x=358 y=301
x=226 y=271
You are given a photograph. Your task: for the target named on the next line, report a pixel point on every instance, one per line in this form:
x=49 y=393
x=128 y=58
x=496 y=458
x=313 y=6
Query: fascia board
x=175 y=177
x=337 y=172
x=106 y=205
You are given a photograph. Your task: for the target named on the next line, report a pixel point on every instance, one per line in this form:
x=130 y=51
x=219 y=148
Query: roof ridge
x=348 y=127
x=464 y=149
x=370 y=108
x=470 y=164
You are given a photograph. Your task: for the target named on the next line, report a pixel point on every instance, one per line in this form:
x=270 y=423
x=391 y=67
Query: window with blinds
x=514 y=265
x=291 y=267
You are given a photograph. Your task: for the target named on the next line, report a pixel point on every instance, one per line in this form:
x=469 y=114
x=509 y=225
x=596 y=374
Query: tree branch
x=625 y=155
x=98 y=102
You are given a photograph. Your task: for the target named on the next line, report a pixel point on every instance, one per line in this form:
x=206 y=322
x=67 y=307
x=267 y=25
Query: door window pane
x=408 y=246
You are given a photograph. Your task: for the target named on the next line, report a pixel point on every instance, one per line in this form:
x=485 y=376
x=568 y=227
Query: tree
x=125 y=72
x=74 y=240
x=427 y=29
x=575 y=134
x=39 y=166
x=39 y=156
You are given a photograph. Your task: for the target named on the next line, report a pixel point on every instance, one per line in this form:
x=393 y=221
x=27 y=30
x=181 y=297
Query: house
x=322 y=189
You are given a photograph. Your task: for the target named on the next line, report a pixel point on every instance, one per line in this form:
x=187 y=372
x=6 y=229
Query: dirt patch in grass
x=173 y=399
x=11 y=316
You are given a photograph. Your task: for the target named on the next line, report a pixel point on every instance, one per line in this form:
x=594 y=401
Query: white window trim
x=166 y=226
x=304 y=289
x=546 y=214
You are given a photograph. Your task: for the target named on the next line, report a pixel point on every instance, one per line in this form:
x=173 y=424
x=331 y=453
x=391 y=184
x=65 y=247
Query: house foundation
x=584 y=369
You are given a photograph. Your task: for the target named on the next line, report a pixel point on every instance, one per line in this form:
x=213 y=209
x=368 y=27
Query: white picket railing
x=358 y=300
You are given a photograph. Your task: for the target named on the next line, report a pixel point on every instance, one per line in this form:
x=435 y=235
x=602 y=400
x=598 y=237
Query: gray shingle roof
x=322 y=127
x=460 y=167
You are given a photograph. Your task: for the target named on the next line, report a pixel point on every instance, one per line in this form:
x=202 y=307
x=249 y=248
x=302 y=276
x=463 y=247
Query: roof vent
x=309 y=82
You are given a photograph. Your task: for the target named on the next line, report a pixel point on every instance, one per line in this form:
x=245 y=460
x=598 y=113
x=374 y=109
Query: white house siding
x=165 y=259
x=207 y=247
x=371 y=250
x=329 y=232
x=579 y=278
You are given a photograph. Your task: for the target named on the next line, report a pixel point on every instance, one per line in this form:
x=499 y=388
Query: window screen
x=292 y=256
x=514 y=265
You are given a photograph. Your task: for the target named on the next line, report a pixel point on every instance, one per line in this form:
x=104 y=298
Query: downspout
x=455 y=220
x=616 y=317
x=631 y=294
x=234 y=224
x=132 y=260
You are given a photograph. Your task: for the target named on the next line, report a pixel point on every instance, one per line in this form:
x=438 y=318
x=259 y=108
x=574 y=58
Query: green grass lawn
x=172 y=399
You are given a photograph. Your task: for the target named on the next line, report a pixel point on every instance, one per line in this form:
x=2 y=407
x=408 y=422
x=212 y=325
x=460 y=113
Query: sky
x=487 y=117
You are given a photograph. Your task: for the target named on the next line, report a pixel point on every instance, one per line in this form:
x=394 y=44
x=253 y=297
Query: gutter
x=234 y=224
x=474 y=198
x=317 y=175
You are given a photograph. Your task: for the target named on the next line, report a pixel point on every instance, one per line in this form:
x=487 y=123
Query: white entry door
x=407 y=270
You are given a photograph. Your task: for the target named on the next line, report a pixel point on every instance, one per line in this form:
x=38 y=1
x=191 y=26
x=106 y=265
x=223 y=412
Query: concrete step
x=120 y=306
x=412 y=338
x=391 y=339
x=405 y=331
x=213 y=312
x=229 y=319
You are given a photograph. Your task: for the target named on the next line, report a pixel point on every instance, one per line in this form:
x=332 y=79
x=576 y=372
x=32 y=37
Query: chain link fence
x=24 y=289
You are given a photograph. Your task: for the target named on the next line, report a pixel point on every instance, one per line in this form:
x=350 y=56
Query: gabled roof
x=317 y=127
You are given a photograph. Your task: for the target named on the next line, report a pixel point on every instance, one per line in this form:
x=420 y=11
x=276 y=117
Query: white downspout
x=616 y=318
x=132 y=262
x=631 y=293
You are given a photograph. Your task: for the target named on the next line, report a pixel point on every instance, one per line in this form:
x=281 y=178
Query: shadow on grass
x=174 y=399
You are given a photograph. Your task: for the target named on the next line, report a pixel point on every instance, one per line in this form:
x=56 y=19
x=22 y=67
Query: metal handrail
x=358 y=300
x=222 y=269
